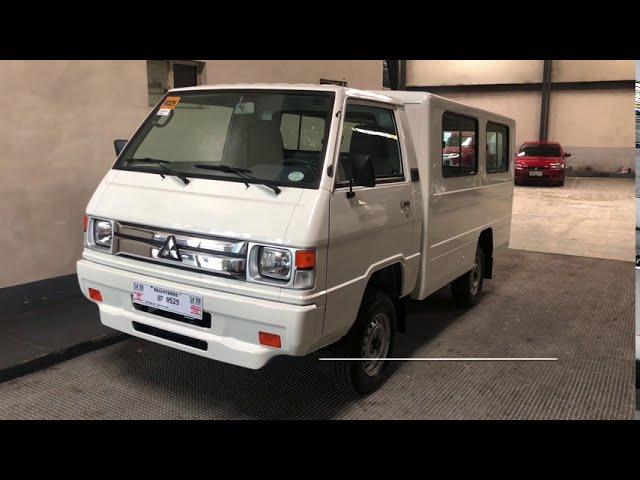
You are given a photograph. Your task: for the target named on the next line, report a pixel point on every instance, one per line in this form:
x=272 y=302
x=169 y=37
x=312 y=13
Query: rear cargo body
x=455 y=209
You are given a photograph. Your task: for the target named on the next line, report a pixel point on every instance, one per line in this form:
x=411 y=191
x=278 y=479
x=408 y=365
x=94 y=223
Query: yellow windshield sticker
x=169 y=104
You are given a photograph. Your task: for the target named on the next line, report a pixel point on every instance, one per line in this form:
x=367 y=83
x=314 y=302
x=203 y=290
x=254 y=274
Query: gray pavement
x=592 y=217
x=578 y=309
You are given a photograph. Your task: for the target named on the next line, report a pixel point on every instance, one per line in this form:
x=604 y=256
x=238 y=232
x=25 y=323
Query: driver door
x=375 y=226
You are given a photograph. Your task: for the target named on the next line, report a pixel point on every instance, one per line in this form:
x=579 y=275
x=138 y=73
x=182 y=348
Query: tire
x=372 y=335
x=467 y=288
x=561 y=184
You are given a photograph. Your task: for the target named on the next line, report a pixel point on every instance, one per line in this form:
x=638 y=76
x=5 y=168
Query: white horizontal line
x=454 y=359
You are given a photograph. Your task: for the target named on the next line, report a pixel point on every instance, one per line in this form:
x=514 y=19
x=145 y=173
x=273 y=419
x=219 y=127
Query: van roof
x=379 y=95
x=394 y=97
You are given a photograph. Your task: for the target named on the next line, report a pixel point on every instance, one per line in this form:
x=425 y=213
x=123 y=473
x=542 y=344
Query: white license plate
x=534 y=173
x=168 y=300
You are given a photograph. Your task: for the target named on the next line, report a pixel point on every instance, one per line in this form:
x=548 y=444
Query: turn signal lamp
x=305 y=259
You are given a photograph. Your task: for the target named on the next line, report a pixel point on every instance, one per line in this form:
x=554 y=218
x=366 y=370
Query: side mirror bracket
x=351 y=193
x=362 y=173
x=119 y=145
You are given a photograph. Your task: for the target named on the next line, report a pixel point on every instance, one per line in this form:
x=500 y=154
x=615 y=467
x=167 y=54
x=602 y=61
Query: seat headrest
x=380 y=144
x=252 y=141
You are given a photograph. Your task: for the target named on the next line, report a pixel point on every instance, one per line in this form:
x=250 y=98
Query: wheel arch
x=485 y=241
x=390 y=279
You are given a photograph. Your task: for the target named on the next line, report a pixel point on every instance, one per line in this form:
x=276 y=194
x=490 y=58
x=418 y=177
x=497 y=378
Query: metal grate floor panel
x=538 y=305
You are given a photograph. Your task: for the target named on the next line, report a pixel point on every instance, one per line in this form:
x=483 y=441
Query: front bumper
x=235 y=319
x=548 y=175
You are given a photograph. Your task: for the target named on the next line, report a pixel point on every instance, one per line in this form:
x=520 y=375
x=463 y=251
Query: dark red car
x=540 y=162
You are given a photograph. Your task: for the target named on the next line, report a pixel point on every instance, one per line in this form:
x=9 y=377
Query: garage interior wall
x=57 y=133
x=591 y=120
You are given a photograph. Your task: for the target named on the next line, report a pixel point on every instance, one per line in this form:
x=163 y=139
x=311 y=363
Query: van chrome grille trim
x=200 y=253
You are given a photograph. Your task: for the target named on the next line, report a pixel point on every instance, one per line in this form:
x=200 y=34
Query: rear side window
x=459 y=145
x=497 y=148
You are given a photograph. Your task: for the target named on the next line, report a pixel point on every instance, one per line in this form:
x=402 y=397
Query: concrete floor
x=577 y=309
x=589 y=217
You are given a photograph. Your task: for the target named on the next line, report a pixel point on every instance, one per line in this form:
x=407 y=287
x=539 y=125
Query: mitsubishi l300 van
x=242 y=222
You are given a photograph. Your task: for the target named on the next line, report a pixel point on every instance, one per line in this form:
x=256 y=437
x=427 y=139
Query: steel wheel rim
x=376 y=343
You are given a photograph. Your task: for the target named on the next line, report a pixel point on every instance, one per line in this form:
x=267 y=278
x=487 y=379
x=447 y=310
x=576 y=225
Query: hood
x=538 y=161
x=212 y=207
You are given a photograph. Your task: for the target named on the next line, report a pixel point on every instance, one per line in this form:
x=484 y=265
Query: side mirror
x=119 y=145
x=360 y=172
x=566 y=154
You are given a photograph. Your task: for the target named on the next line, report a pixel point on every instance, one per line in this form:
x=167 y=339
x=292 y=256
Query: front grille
x=174 y=337
x=195 y=252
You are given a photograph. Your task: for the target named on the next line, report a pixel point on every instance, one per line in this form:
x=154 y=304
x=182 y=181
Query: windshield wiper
x=162 y=164
x=240 y=172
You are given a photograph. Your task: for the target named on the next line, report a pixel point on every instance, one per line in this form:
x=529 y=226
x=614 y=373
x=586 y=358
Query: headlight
x=556 y=166
x=102 y=232
x=289 y=268
x=519 y=166
x=274 y=263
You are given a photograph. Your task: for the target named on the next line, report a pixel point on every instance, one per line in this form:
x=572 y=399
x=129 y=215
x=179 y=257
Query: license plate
x=168 y=300
x=534 y=173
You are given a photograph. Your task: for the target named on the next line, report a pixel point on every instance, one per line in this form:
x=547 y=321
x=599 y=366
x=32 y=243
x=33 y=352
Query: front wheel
x=371 y=337
x=467 y=288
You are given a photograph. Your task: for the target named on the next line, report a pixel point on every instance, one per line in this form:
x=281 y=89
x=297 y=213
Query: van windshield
x=242 y=136
x=539 y=151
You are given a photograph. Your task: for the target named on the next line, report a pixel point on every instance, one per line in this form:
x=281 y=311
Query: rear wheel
x=467 y=288
x=371 y=337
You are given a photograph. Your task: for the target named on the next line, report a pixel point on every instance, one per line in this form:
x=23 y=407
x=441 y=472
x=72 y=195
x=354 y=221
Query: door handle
x=405 y=204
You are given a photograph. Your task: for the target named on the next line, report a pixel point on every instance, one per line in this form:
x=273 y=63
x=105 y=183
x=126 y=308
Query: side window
x=302 y=132
x=459 y=145
x=497 y=148
x=370 y=131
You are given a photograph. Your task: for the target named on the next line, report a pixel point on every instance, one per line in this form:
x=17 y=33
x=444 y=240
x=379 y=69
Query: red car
x=540 y=162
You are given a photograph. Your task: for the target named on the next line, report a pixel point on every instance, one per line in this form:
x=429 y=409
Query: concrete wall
x=365 y=74
x=596 y=126
x=472 y=72
x=591 y=70
x=57 y=130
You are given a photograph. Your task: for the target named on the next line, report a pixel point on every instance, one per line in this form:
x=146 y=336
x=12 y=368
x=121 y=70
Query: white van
x=241 y=222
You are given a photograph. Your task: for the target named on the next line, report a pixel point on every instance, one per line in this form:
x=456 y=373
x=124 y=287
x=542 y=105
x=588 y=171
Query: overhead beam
x=525 y=87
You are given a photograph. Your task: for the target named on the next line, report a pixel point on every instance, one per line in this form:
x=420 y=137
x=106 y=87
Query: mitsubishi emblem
x=169 y=250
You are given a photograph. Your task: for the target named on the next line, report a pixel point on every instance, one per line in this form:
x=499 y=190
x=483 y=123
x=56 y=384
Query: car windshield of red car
x=539 y=151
